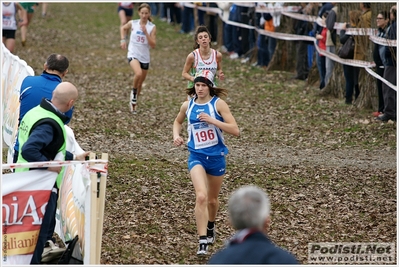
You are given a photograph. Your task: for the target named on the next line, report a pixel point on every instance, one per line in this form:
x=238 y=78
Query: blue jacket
x=33 y=89
x=255 y=249
x=316 y=27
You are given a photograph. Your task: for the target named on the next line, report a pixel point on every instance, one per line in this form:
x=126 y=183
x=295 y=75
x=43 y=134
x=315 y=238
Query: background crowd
x=246 y=44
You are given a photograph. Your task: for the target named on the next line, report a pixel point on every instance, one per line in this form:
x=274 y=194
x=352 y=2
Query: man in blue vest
x=34 y=88
x=249 y=212
x=42 y=137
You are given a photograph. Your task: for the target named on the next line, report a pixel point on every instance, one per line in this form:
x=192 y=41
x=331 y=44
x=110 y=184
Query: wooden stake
x=100 y=210
x=93 y=215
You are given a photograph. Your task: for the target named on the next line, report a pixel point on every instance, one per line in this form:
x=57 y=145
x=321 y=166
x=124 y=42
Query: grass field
x=329 y=169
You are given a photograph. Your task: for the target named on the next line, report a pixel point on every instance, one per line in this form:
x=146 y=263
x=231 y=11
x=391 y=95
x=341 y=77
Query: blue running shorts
x=213 y=165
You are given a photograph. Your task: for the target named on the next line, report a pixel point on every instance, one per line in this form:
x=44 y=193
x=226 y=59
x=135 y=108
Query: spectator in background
x=365 y=19
x=271 y=23
x=302 y=27
x=379 y=57
x=173 y=12
x=351 y=73
x=125 y=12
x=34 y=88
x=154 y=9
x=211 y=19
x=163 y=16
x=227 y=33
x=390 y=72
x=249 y=214
x=317 y=29
x=235 y=15
x=277 y=14
x=247 y=36
x=187 y=20
x=322 y=38
x=311 y=51
x=200 y=13
x=10 y=25
x=331 y=41
x=261 y=40
x=266 y=44
x=30 y=9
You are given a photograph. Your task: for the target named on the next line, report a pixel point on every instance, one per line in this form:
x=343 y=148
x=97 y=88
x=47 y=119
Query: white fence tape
x=288 y=11
x=380 y=78
x=383 y=41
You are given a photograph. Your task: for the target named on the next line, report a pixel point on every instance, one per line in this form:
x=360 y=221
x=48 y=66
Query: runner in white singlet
x=142 y=38
x=202 y=58
x=10 y=24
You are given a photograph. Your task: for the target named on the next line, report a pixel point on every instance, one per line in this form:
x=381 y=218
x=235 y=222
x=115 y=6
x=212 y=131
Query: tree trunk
x=195 y=12
x=219 y=38
x=284 y=56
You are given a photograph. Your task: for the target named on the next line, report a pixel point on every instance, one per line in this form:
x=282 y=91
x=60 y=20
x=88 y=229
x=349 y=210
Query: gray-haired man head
x=249 y=213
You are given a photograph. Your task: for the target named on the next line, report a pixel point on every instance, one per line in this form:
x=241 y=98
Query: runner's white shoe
x=211 y=235
x=203 y=247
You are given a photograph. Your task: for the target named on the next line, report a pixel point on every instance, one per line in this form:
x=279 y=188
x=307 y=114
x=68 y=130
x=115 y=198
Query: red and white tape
x=100 y=165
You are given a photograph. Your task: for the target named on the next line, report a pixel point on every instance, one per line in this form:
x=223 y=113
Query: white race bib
x=204 y=135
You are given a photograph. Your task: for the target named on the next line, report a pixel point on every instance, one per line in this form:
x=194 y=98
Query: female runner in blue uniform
x=208 y=116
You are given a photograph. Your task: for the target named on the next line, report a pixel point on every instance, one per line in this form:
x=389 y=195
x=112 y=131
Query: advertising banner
x=23 y=207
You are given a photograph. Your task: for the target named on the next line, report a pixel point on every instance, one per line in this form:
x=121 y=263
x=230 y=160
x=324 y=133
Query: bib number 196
x=203 y=136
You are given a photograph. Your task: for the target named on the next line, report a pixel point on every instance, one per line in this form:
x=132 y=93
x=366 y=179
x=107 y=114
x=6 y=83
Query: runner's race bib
x=204 y=135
